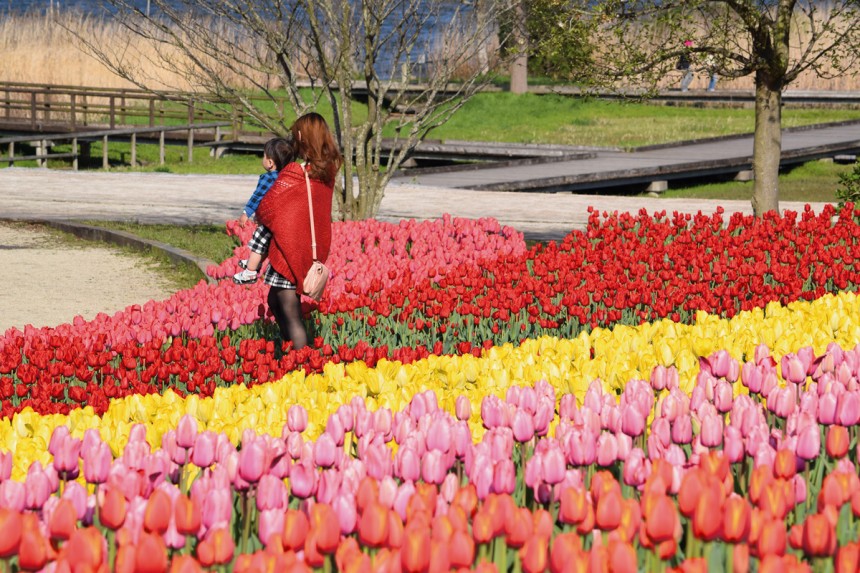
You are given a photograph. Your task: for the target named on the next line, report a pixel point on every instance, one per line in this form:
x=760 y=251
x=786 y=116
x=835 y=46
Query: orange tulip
x=222 y=545
x=760 y=478
x=848 y=558
x=534 y=554
x=835 y=490
x=482 y=527
x=186 y=564
x=156 y=517
x=693 y=565
x=785 y=464
x=10 y=532
x=467 y=498
x=428 y=492
x=622 y=557
x=837 y=442
x=461 y=548
x=313 y=556
x=573 y=505
x=440 y=559
x=368 y=492
x=692 y=485
x=373 y=525
x=441 y=528
x=567 y=555
x=736 y=520
x=543 y=524
x=819 y=536
x=741 y=558
x=85 y=547
x=602 y=483
x=708 y=517
x=715 y=464
x=772 y=539
x=662 y=520
x=33 y=551
x=187 y=515
x=607 y=514
x=415 y=552
x=586 y=526
x=324 y=522
x=296 y=527
x=774 y=500
x=64 y=520
x=349 y=554
x=113 y=509
x=667 y=549
x=395 y=529
x=519 y=528
x=150 y=553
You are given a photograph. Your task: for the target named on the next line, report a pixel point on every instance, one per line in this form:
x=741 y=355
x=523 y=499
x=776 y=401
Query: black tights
x=286 y=307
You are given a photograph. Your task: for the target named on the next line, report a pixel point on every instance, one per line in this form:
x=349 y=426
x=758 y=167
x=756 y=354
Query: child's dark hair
x=281 y=151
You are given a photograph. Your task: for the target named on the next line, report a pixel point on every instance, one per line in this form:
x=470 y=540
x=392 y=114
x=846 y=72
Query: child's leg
x=259 y=246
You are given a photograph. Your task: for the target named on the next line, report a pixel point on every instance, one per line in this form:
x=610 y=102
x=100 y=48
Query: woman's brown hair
x=316 y=145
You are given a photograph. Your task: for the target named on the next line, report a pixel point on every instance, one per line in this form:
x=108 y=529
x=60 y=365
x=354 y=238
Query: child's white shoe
x=245 y=277
x=243 y=263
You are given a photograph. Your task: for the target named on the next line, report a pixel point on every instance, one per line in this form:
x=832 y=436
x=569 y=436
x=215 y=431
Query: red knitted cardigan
x=284 y=210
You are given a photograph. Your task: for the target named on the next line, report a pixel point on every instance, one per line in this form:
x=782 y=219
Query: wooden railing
x=81 y=140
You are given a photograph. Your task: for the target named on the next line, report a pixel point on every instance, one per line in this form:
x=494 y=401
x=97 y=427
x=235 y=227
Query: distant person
x=711 y=68
x=684 y=66
x=277 y=153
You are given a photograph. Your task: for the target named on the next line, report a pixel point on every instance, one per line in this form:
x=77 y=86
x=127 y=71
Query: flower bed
x=653 y=393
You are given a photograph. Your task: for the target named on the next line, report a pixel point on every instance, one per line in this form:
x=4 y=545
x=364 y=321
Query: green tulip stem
x=327 y=564
x=111 y=543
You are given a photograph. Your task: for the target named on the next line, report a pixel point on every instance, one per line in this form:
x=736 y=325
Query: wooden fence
x=80 y=142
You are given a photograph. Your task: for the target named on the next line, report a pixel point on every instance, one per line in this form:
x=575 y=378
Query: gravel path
x=47 y=284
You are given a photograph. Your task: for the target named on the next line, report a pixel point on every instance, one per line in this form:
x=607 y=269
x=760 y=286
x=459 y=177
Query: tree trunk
x=767 y=147
x=520 y=65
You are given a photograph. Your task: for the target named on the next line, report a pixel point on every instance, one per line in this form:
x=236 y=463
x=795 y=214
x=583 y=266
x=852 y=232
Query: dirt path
x=47 y=284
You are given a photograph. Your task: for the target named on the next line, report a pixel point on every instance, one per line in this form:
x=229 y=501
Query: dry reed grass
x=38 y=49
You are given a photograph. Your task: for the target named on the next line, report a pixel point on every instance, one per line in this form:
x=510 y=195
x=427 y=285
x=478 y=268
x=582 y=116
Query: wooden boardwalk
x=656 y=166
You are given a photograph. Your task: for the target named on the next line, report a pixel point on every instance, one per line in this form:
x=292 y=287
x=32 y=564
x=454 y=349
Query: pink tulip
x=543 y=415
x=581 y=448
x=217 y=508
x=203 y=451
x=809 y=442
x=659 y=378
x=752 y=377
x=297 y=418
x=5 y=466
x=186 y=431
x=346 y=415
x=712 y=431
x=302 y=480
x=848 y=409
x=382 y=421
x=77 y=494
x=58 y=436
x=492 y=413
x=635 y=468
x=632 y=421
x=661 y=430
x=13 y=495
x=782 y=402
x=504 y=476
x=523 y=426
x=252 y=461
x=793 y=369
x=37 y=487
x=607 y=449
x=567 y=407
x=463 y=408
x=271 y=493
x=347 y=514
x=733 y=445
x=433 y=468
x=769 y=383
x=682 y=429
x=439 y=435
x=553 y=465
x=408 y=464
x=325 y=450
x=270 y=526
x=462 y=439
x=97 y=463
x=402 y=497
x=723 y=396
x=827 y=409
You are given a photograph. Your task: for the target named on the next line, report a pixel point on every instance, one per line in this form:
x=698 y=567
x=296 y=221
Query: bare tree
x=520 y=48
x=775 y=41
x=387 y=72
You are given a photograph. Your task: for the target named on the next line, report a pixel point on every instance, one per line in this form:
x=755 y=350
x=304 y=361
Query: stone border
x=124 y=239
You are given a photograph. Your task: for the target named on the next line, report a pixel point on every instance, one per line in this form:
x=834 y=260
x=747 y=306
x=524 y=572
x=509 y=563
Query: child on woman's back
x=277 y=153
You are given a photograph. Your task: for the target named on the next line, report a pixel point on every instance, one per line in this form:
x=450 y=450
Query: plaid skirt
x=275 y=279
x=259 y=242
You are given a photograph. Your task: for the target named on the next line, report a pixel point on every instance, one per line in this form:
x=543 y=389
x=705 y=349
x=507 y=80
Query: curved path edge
x=126 y=239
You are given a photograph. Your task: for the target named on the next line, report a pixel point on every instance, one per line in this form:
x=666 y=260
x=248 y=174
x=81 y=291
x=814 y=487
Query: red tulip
x=607 y=514
x=572 y=505
x=519 y=528
x=325 y=524
x=736 y=520
x=534 y=554
x=772 y=538
x=819 y=536
x=848 y=558
x=567 y=555
x=662 y=520
x=461 y=548
x=187 y=515
x=837 y=441
x=33 y=551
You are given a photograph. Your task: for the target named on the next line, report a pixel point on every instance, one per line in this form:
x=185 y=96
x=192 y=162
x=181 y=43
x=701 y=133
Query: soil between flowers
x=48 y=283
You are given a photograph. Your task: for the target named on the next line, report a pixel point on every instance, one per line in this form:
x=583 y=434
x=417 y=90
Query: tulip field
x=654 y=393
